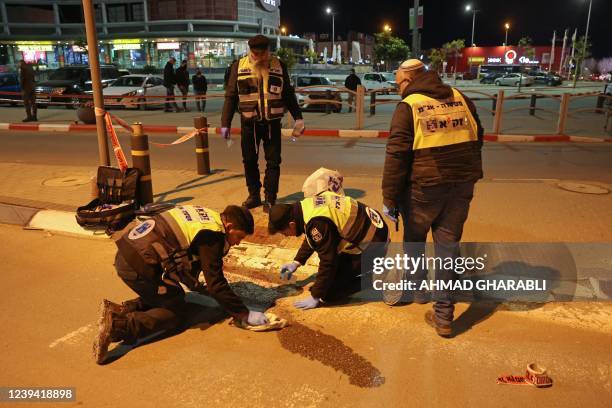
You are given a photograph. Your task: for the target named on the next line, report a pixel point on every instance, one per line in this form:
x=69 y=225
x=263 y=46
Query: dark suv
x=65 y=84
x=547 y=78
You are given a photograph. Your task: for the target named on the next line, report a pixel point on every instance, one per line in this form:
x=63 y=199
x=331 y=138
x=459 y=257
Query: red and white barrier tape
x=535 y=376
x=110 y=130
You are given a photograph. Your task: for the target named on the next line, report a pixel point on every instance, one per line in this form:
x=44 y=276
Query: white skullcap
x=411 y=65
x=323 y=180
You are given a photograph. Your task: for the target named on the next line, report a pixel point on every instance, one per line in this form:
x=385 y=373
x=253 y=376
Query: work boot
x=443 y=330
x=252 y=201
x=107 y=331
x=129 y=306
x=421 y=297
x=268 y=203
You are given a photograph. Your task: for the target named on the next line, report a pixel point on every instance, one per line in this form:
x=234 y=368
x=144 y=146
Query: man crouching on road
x=156 y=255
x=338 y=228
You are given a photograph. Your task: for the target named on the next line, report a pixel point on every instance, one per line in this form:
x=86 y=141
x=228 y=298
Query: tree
x=287 y=56
x=311 y=55
x=390 y=49
x=525 y=44
x=436 y=57
x=453 y=49
x=581 y=53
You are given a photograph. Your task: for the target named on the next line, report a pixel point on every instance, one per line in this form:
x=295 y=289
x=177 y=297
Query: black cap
x=280 y=216
x=259 y=42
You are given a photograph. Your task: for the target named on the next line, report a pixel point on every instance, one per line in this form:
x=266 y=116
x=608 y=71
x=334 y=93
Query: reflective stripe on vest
x=252 y=104
x=341 y=210
x=188 y=220
x=441 y=122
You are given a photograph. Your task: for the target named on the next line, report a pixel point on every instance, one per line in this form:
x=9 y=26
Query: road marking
x=72 y=337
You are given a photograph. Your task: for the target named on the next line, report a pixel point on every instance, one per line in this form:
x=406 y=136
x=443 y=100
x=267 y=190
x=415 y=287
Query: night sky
x=446 y=20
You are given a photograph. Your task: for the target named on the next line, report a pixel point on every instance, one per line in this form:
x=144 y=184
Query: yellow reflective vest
x=190 y=220
x=260 y=97
x=441 y=122
x=344 y=212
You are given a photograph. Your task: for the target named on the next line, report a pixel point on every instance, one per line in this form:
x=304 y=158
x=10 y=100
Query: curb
x=348 y=133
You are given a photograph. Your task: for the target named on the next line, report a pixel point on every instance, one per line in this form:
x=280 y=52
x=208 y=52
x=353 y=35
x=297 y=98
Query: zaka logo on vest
x=141 y=230
x=374 y=217
x=204 y=217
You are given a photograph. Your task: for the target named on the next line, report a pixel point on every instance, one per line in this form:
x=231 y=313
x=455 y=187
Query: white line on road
x=72 y=337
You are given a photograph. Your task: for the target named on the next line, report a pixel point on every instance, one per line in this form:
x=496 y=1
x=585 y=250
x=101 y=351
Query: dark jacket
x=446 y=164
x=231 y=96
x=200 y=84
x=182 y=76
x=26 y=79
x=351 y=82
x=169 y=76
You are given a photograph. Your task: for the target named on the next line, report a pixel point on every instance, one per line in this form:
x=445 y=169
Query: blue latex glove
x=287 y=270
x=257 y=318
x=227 y=135
x=308 y=303
x=391 y=213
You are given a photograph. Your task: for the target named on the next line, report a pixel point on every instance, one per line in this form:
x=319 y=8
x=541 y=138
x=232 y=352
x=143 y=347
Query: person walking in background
x=200 y=87
x=351 y=82
x=182 y=81
x=169 y=82
x=27 y=83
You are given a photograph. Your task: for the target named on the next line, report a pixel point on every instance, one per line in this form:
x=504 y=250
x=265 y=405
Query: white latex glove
x=257 y=318
x=288 y=270
x=298 y=128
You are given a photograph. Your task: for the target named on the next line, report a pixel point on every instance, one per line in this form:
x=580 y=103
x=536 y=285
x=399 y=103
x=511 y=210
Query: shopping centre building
x=135 y=33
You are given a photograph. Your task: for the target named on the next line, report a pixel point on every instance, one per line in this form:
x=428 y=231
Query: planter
x=86 y=115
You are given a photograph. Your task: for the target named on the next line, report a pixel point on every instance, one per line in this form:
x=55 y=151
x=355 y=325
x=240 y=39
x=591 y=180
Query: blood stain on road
x=331 y=352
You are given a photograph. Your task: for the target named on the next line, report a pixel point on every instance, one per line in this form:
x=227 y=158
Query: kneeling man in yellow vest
x=156 y=256
x=339 y=229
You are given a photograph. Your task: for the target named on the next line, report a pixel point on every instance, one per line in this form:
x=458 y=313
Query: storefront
x=473 y=58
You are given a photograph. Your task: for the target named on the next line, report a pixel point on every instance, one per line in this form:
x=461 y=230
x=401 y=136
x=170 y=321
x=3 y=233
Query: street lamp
x=586 y=37
x=333 y=15
x=507 y=26
x=283 y=30
x=387 y=28
x=474 y=11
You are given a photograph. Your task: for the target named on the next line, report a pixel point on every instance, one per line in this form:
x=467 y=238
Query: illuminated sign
x=493 y=60
x=168 y=46
x=269 y=5
x=525 y=60
x=128 y=47
x=476 y=60
x=510 y=56
x=76 y=48
x=34 y=47
x=128 y=41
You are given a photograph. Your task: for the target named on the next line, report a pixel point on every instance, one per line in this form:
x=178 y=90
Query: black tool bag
x=116 y=203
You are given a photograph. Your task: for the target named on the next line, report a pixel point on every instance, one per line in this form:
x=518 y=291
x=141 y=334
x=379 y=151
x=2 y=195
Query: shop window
x=29 y=13
x=137 y=12
x=71 y=14
x=116 y=13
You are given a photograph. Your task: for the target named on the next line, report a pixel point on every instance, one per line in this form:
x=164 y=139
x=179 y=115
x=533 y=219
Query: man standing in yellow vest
x=260 y=88
x=433 y=160
x=339 y=229
x=156 y=256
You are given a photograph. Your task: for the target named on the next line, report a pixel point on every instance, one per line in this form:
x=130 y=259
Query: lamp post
x=333 y=15
x=387 y=28
x=507 y=27
x=283 y=30
x=473 y=10
x=586 y=38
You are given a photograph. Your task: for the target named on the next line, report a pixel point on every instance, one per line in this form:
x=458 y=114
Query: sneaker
x=421 y=297
x=443 y=330
x=268 y=203
x=252 y=201
x=27 y=120
x=125 y=307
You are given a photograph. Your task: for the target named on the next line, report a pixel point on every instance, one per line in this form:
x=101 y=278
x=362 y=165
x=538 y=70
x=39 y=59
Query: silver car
x=513 y=80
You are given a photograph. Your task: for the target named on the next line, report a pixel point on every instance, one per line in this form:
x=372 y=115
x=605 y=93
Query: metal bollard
x=494 y=103
x=142 y=162
x=201 y=149
x=497 y=121
x=600 y=103
x=532 y=105
x=563 y=113
x=359 y=99
x=373 y=103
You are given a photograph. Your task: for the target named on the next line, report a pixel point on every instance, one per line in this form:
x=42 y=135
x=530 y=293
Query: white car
x=132 y=89
x=379 y=80
x=316 y=87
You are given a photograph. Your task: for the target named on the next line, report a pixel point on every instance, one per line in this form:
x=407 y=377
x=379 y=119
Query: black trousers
x=253 y=133
x=443 y=209
x=163 y=305
x=170 y=101
x=200 y=100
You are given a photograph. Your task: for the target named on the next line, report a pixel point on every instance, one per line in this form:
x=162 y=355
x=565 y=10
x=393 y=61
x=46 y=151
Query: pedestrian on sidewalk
x=200 y=87
x=182 y=81
x=351 y=82
x=27 y=83
x=159 y=254
x=169 y=83
x=339 y=229
x=259 y=87
x=433 y=160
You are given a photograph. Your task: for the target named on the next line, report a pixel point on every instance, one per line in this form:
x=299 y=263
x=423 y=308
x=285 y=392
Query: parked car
x=320 y=87
x=546 y=78
x=72 y=81
x=9 y=82
x=466 y=76
x=123 y=72
x=513 y=79
x=490 y=77
x=379 y=80
x=130 y=91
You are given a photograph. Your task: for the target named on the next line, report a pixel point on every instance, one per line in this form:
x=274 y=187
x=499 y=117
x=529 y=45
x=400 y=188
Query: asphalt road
x=352 y=355
x=587 y=162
